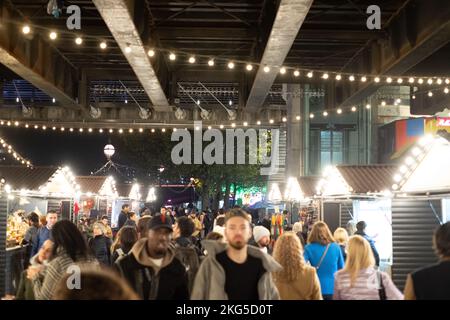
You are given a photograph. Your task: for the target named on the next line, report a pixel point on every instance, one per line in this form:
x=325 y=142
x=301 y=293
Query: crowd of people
x=178 y=255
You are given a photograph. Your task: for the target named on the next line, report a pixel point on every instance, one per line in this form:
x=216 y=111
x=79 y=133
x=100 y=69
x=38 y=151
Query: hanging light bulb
x=71 y=129
x=420 y=81
x=78 y=41
x=100 y=130
x=430 y=81
x=174 y=129
x=231 y=65
x=26 y=29
x=81 y=130
x=282 y=70
x=430 y=94
x=284 y=119
x=297 y=118
x=271 y=121
x=53 y=100
x=103 y=45
x=363 y=79
x=163 y=130
x=245 y=123
x=310 y=74
x=266 y=69
x=210 y=62
x=111 y=130
x=414 y=97
x=233 y=125
x=192 y=59
x=44 y=127
x=411 y=80
x=221 y=126
x=399 y=80
x=130 y=130
x=446 y=90
x=172 y=56
x=120 y=130
x=53 y=128
x=311 y=115
x=339 y=111
x=398 y=100
x=26 y=125
x=90 y=129
x=128 y=49
x=351 y=78
x=151 y=53
x=389 y=80
x=258 y=122
x=353 y=109
x=63 y=129
x=383 y=103
x=17 y=99
x=325 y=76
x=296 y=73
x=447 y=81
x=377 y=79
x=53 y=35
x=325 y=113
x=249 y=67
x=141 y=130
x=439 y=81
x=338 y=77
x=368 y=106
x=153 y=130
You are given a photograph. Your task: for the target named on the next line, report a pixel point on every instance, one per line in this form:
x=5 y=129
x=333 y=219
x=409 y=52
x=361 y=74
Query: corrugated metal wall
x=3 y=214
x=346 y=213
x=413 y=225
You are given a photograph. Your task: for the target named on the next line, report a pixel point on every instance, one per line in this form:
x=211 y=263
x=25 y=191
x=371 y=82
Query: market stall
x=131 y=194
x=95 y=197
x=422 y=196
x=360 y=193
x=24 y=189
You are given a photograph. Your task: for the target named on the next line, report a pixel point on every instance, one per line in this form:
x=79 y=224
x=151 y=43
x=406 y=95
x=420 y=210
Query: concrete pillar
x=305 y=124
x=294 y=135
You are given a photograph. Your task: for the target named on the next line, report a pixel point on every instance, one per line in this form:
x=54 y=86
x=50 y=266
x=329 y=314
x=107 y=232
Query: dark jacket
x=167 y=282
x=130 y=223
x=100 y=246
x=43 y=235
x=122 y=218
x=372 y=245
x=188 y=254
x=432 y=282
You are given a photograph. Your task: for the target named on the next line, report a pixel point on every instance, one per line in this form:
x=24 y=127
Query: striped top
x=365 y=287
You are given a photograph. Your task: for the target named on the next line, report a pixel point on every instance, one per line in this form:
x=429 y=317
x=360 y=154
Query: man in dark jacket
x=360 y=230
x=151 y=267
x=44 y=232
x=123 y=215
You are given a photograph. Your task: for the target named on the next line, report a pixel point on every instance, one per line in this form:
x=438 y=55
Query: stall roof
x=90 y=183
x=425 y=168
x=21 y=177
x=129 y=191
x=308 y=185
x=368 y=178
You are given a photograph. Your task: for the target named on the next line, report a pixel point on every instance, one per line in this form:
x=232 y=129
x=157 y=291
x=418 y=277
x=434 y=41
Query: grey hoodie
x=210 y=280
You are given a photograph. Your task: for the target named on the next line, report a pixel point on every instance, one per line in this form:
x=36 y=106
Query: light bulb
x=26 y=29
x=283 y=70
x=151 y=53
x=192 y=60
x=266 y=69
x=284 y=119
x=447 y=81
x=63 y=129
x=377 y=79
x=100 y=130
x=141 y=130
x=430 y=94
x=163 y=130
x=120 y=130
x=296 y=73
x=325 y=76
x=271 y=121
x=389 y=80
x=383 y=103
x=127 y=49
x=439 y=81
x=258 y=122
x=311 y=115
x=310 y=74
x=353 y=109
x=325 y=113
x=446 y=90
x=399 y=80
x=339 y=111
x=210 y=62
x=172 y=56
x=103 y=45
x=351 y=78
x=420 y=81
x=221 y=126
x=153 y=130
x=230 y=65
x=111 y=130
x=338 y=77
x=53 y=100
x=78 y=41
x=430 y=81
x=233 y=125
x=411 y=80
x=249 y=67
x=368 y=106
x=297 y=117
x=90 y=129
x=245 y=124
x=130 y=130
x=363 y=79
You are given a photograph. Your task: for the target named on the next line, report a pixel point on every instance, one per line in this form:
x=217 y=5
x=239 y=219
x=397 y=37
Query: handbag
x=323 y=257
x=381 y=288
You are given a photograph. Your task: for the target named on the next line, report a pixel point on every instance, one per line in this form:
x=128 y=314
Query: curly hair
x=288 y=252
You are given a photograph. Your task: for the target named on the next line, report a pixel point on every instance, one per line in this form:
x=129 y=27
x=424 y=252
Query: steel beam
x=284 y=32
x=119 y=17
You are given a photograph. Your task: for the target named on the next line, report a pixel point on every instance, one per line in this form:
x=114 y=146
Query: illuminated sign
x=443 y=122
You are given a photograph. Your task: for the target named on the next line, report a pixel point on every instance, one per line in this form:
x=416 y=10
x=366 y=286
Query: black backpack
x=188 y=257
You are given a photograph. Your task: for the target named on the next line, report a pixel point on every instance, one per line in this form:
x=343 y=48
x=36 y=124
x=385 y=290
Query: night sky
x=83 y=152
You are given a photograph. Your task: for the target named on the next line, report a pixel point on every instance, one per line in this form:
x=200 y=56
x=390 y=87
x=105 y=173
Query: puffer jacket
x=100 y=246
x=210 y=280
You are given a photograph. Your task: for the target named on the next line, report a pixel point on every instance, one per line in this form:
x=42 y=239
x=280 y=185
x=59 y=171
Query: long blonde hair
x=320 y=233
x=341 y=236
x=288 y=252
x=359 y=256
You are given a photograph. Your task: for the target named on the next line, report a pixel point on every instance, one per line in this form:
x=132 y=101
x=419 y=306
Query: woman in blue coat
x=325 y=255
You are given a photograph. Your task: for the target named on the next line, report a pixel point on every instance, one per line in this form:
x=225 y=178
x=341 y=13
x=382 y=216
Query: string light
x=14 y=153
x=26 y=29
x=399 y=80
x=351 y=78
x=283 y=70
x=90 y=130
x=78 y=41
x=389 y=80
x=111 y=130
x=310 y=74
x=130 y=130
x=447 y=81
x=26 y=125
x=266 y=69
x=62 y=129
x=231 y=65
x=338 y=77
x=81 y=130
x=439 y=81
x=100 y=130
x=54 y=128
x=325 y=113
x=128 y=49
x=44 y=127
x=296 y=73
x=258 y=122
x=411 y=80
x=71 y=129
x=363 y=79
x=311 y=115
x=172 y=56
x=325 y=76
x=249 y=67
x=192 y=59
x=151 y=53
x=377 y=79
x=420 y=81
x=103 y=45
x=339 y=111
x=297 y=118
x=210 y=62
x=284 y=119
x=120 y=130
x=16 y=123
x=8 y=123
x=446 y=90
x=142 y=130
x=153 y=130
x=353 y=109
x=430 y=81
x=430 y=94
x=53 y=35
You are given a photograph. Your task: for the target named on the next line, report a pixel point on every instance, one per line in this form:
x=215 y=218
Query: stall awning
x=90 y=183
x=308 y=185
x=21 y=177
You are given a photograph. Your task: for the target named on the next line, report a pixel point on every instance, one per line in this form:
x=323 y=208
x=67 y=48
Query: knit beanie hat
x=260 y=232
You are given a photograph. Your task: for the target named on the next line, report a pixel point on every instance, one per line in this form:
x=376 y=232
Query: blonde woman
x=100 y=244
x=297 y=280
x=359 y=280
x=324 y=254
x=341 y=237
